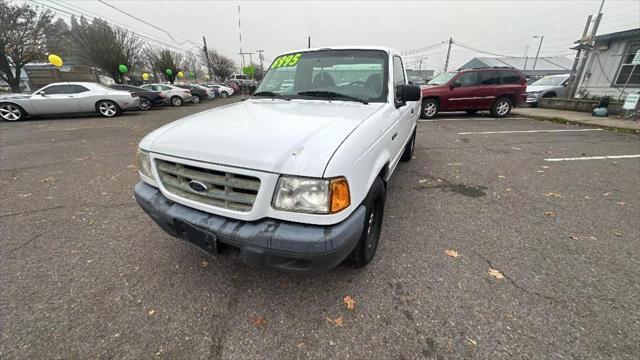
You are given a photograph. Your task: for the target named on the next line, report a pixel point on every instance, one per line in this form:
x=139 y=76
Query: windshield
x=551 y=80
x=442 y=78
x=360 y=74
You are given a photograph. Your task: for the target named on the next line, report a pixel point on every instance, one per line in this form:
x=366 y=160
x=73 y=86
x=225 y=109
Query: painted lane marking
x=523 y=131
x=472 y=119
x=595 y=158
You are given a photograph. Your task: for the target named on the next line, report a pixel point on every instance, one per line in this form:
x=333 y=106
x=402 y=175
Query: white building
x=608 y=67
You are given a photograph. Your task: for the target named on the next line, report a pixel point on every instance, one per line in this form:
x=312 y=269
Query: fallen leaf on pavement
x=204 y=263
x=451 y=253
x=472 y=341
x=422 y=181
x=593 y=238
x=495 y=273
x=259 y=321
x=507 y=189
x=299 y=345
x=501 y=177
x=24 y=195
x=622 y=203
x=617 y=234
x=337 y=322
x=573 y=237
x=151 y=312
x=549 y=213
x=350 y=302
x=552 y=194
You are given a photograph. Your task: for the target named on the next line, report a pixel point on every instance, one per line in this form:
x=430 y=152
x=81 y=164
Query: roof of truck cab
x=346 y=47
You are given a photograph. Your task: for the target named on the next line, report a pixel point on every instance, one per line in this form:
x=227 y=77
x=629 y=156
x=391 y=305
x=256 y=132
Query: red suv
x=470 y=90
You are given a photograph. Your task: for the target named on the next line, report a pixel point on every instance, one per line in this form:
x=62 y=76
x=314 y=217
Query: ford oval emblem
x=198 y=186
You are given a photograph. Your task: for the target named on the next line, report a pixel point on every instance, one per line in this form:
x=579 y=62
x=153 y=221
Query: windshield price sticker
x=286 y=60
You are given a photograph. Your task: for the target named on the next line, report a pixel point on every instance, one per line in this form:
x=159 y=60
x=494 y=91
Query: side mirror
x=455 y=85
x=42 y=93
x=411 y=92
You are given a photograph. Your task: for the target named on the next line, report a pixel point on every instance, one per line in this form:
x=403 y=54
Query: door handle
x=393 y=137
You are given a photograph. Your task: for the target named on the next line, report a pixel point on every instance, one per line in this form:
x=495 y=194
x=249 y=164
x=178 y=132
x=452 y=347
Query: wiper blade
x=271 y=94
x=331 y=95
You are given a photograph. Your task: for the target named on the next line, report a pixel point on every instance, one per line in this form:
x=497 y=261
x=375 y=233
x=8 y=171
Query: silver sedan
x=67 y=98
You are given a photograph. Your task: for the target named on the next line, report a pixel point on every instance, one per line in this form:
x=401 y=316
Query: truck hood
x=296 y=137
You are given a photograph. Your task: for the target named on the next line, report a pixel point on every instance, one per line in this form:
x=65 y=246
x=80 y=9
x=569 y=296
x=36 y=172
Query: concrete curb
x=561 y=120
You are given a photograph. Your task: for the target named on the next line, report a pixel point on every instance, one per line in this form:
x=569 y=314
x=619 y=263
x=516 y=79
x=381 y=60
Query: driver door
x=55 y=99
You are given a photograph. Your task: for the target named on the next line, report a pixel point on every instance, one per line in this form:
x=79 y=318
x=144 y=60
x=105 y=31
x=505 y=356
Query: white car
x=291 y=180
x=242 y=80
x=224 y=90
x=173 y=95
x=67 y=98
x=547 y=87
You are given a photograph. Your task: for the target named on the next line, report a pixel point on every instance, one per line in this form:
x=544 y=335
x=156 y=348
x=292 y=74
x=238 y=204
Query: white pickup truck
x=293 y=178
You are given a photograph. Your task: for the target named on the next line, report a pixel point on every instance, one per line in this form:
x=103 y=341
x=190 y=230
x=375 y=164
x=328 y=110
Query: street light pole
x=537 y=53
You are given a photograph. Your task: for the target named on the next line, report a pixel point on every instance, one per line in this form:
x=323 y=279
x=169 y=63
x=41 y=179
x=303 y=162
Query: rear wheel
x=501 y=108
x=368 y=243
x=11 y=112
x=107 y=108
x=176 y=101
x=195 y=99
x=224 y=94
x=407 y=155
x=145 y=104
x=430 y=109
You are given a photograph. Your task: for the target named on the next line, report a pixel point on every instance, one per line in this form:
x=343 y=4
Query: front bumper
x=129 y=104
x=277 y=244
x=532 y=98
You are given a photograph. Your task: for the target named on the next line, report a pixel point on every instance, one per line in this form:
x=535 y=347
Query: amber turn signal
x=340 y=197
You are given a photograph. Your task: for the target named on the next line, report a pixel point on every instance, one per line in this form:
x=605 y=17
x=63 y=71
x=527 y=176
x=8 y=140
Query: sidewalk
x=574 y=117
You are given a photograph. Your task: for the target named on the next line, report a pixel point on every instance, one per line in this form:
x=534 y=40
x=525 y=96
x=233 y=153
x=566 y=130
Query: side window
x=398 y=77
x=76 y=89
x=510 y=77
x=489 y=78
x=468 y=79
x=164 y=88
x=57 y=89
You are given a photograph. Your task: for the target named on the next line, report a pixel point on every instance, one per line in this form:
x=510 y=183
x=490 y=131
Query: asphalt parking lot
x=487 y=251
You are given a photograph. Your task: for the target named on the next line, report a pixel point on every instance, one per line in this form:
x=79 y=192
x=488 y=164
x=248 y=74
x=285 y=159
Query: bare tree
x=221 y=66
x=107 y=48
x=162 y=59
x=22 y=39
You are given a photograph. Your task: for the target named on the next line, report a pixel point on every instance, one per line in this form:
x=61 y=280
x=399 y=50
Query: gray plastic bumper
x=270 y=243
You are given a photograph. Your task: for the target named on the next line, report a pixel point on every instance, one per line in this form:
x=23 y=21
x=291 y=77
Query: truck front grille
x=221 y=189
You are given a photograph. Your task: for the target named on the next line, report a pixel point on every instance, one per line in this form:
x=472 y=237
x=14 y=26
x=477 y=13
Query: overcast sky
x=503 y=27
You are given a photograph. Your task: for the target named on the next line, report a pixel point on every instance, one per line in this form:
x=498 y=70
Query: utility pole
x=261 y=57
x=579 y=48
x=206 y=55
x=538 y=52
x=526 y=59
x=309 y=42
x=446 y=63
x=240 y=33
x=587 y=46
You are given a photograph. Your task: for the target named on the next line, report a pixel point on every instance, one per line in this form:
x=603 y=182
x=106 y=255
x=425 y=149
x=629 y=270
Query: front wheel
x=107 y=108
x=501 y=108
x=11 y=112
x=145 y=104
x=224 y=94
x=368 y=244
x=196 y=99
x=430 y=109
x=176 y=101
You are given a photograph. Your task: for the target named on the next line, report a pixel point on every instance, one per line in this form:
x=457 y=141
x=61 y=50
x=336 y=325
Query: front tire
x=176 y=101
x=368 y=244
x=196 y=99
x=145 y=104
x=430 y=108
x=407 y=154
x=501 y=108
x=107 y=108
x=224 y=94
x=11 y=112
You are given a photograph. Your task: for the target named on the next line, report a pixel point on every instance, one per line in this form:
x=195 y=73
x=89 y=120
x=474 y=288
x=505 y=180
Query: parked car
x=148 y=98
x=225 y=91
x=471 y=90
x=547 y=87
x=173 y=95
x=416 y=80
x=67 y=98
x=293 y=180
x=197 y=93
x=242 y=80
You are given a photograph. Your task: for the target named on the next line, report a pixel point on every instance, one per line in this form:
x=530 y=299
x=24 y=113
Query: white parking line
x=595 y=158
x=523 y=131
x=472 y=119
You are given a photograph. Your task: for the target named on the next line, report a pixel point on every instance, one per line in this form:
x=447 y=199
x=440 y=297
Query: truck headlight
x=309 y=195
x=143 y=163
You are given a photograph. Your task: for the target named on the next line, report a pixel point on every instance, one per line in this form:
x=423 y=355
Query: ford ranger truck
x=293 y=178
